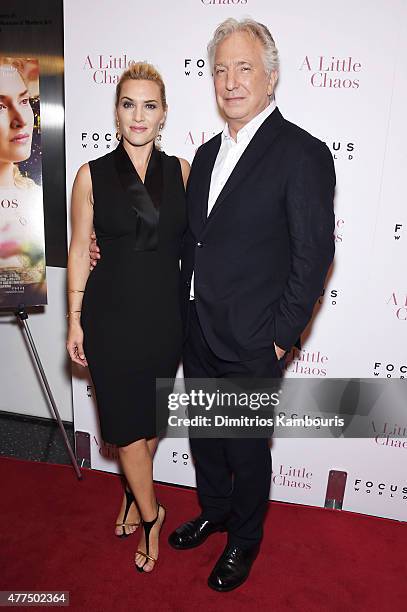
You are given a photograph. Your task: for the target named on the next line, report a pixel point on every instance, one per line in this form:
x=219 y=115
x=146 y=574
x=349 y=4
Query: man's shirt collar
x=248 y=131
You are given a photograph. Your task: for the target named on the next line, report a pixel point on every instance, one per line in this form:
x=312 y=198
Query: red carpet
x=56 y=534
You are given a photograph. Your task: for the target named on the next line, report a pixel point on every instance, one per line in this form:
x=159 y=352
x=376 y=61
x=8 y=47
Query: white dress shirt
x=228 y=155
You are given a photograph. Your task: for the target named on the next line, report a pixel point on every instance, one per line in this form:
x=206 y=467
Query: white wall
x=360 y=330
x=20 y=386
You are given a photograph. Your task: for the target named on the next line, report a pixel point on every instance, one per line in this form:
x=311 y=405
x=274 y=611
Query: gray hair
x=256 y=30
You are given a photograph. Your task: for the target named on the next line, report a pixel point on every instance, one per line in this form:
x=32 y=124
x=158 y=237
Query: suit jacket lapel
x=260 y=142
x=205 y=172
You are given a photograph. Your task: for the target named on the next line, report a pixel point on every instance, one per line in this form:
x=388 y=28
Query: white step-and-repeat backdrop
x=343 y=78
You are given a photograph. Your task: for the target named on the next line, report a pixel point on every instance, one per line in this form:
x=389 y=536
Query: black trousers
x=233 y=475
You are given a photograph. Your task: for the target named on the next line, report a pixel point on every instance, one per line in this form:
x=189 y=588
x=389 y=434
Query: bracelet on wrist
x=71 y=312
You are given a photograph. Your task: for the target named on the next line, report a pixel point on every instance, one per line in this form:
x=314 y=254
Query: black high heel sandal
x=148 y=525
x=129 y=500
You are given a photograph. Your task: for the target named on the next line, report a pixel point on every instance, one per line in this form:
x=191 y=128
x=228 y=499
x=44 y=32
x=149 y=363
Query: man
x=259 y=245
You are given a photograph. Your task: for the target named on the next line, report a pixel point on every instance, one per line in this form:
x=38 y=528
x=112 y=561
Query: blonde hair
x=142 y=71
x=256 y=30
x=18 y=64
x=19 y=179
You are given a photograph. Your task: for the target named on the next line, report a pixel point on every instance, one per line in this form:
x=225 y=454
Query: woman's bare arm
x=185 y=169
x=78 y=259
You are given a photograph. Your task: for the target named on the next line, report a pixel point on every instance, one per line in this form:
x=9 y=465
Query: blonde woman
x=124 y=319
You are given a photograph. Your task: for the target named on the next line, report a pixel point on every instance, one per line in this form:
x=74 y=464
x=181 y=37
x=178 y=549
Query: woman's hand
x=74 y=344
x=94 y=252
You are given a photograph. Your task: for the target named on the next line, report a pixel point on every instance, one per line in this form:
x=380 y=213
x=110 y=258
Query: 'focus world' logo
x=194 y=67
x=389 y=370
x=330 y=296
x=325 y=71
x=180 y=458
x=341 y=150
x=102 y=139
x=383 y=489
x=398 y=228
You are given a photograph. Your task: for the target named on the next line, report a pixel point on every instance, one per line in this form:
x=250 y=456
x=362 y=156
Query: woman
x=22 y=263
x=128 y=324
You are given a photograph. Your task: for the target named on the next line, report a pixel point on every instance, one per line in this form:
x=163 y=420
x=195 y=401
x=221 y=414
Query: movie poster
x=22 y=245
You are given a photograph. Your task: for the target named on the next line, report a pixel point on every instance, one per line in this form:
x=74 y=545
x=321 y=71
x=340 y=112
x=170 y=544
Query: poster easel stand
x=22 y=316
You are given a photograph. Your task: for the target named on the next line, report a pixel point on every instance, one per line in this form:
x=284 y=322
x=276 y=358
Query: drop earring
x=158 y=138
x=118 y=135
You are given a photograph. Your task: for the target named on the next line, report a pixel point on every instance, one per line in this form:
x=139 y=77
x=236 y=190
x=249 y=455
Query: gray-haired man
x=258 y=247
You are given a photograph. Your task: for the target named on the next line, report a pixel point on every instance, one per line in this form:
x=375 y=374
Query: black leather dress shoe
x=193 y=533
x=232 y=568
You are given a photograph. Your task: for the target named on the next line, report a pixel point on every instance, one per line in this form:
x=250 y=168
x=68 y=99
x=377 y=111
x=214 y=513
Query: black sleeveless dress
x=131 y=312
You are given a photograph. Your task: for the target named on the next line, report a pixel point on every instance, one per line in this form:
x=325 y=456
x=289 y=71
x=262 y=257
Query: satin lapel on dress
x=145 y=199
x=154 y=178
x=260 y=142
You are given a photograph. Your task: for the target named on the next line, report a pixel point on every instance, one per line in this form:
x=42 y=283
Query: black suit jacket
x=261 y=256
